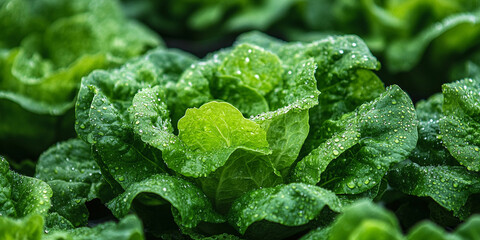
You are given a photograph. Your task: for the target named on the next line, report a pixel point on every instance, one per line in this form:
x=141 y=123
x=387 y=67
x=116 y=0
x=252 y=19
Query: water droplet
x=335 y=152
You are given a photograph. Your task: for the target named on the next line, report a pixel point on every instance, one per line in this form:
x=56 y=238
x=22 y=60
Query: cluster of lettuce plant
x=45 y=49
x=263 y=140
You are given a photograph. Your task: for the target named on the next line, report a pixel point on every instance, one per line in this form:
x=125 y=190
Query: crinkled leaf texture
x=430 y=150
x=74 y=176
x=461 y=124
x=103 y=119
x=363 y=145
x=186 y=198
x=449 y=186
x=295 y=204
x=21 y=196
x=344 y=77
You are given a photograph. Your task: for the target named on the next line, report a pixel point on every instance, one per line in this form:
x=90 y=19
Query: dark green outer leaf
x=54 y=221
x=291 y=205
x=449 y=186
x=20 y=195
x=255 y=67
x=430 y=149
x=363 y=145
x=74 y=176
x=185 y=197
x=461 y=124
x=345 y=78
x=69 y=161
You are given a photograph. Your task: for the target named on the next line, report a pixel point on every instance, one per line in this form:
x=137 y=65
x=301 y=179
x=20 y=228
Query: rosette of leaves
x=44 y=54
x=207 y=132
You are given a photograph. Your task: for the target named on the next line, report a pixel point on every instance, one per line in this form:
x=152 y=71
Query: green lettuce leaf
x=449 y=186
x=21 y=196
x=75 y=178
x=54 y=221
x=460 y=125
x=430 y=150
x=363 y=145
x=218 y=129
x=255 y=67
x=168 y=189
x=294 y=204
x=345 y=78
